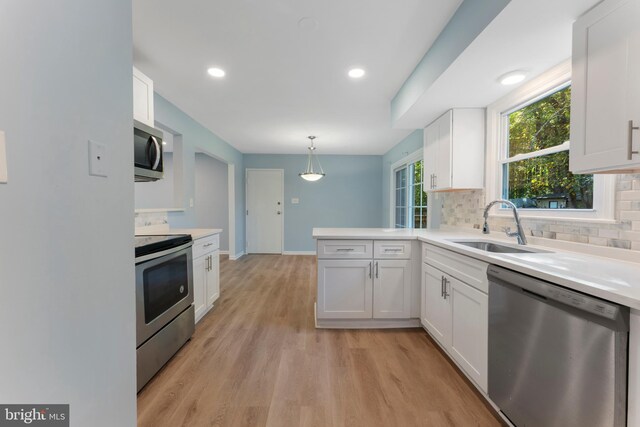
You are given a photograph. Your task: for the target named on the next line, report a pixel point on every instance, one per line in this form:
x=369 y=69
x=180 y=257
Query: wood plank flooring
x=256 y=359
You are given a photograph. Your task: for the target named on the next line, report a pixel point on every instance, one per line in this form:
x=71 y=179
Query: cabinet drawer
x=464 y=268
x=206 y=245
x=345 y=249
x=392 y=249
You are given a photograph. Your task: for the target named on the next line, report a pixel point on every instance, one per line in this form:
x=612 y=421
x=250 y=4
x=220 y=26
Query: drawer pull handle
x=208 y=244
x=393 y=250
x=345 y=249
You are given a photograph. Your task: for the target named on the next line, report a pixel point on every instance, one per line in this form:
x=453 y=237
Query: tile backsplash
x=464 y=209
x=145 y=219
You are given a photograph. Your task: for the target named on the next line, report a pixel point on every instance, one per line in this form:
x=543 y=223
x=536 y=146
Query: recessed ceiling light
x=216 y=72
x=356 y=73
x=512 y=77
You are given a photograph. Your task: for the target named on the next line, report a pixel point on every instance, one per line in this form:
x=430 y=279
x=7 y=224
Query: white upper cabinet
x=142 y=98
x=454 y=150
x=605 y=98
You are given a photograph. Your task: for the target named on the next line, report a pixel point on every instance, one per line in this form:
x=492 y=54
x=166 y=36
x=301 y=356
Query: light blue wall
x=405 y=147
x=348 y=196
x=194 y=136
x=469 y=20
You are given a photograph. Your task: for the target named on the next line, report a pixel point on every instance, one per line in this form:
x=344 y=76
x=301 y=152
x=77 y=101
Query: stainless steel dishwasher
x=557 y=357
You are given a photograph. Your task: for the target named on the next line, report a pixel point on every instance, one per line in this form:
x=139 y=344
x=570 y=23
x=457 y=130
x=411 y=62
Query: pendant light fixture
x=310 y=174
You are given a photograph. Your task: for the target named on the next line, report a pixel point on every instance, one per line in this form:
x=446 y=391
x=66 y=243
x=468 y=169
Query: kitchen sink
x=488 y=246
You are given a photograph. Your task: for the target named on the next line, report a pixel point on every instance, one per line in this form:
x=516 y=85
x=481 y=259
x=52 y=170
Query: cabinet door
x=444 y=158
x=345 y=289
x=606 y=88
x=142 y=98
x=437 y=311
x=213 y=278
x=430 y=155
x=392 y=289
x=469 y=329
x=200 y=286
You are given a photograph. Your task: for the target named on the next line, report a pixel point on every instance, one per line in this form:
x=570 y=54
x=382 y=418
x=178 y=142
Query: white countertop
x=196 y=233
x=607 y=278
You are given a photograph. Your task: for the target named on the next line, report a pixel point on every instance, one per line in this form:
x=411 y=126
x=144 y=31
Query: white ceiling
x=285 y=81
x=527 y=35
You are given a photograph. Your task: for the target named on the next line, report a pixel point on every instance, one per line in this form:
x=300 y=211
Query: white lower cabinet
x=206 y=274
x=436 y=314
x=345 y=289
x=470 y=330
x=353 y=283
x=199 y=288
x=392 y=289
x=213 y=278
x=456 y=315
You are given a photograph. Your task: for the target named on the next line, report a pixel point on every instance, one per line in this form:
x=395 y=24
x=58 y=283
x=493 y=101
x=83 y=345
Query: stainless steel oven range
x=164 y=301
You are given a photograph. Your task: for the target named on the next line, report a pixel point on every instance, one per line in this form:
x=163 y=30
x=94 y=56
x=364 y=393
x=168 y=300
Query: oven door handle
x=163 y=253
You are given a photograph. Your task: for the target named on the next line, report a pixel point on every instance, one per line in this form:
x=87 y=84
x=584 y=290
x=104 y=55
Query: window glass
x=410 y=197
x=545 y=182
x=538 y=179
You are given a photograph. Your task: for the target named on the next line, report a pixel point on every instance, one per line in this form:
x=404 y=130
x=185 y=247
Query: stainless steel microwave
x=147 y=148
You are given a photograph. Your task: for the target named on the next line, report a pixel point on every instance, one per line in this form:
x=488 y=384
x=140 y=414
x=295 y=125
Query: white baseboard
x=224 y=252
x=236 y=256
x=299 y=253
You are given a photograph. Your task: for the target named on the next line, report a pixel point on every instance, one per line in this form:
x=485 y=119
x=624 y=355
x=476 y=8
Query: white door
x=443 y=177
x=431 y=135
x=200 y=286
x=469 y=330
x=437 y=312
x=392 y=289
x=213 y=278
x=345 y=289
x=606 y=84
x=265 y=201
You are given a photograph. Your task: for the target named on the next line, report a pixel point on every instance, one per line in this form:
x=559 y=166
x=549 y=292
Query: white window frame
x=538 y=88
x=405 y=161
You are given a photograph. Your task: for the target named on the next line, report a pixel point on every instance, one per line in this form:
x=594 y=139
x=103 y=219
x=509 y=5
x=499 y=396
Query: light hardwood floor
x=257 y=360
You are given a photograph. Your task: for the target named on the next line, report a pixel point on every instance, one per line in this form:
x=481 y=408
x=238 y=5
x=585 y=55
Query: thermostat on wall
x=295 y=201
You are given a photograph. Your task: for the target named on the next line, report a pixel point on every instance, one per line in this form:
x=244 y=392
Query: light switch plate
x=97 y=159
x=295 y=201
x=3 y=159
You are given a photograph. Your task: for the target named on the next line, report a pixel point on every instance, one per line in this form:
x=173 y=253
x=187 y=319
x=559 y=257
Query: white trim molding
x=237 y=256
x=543 y=85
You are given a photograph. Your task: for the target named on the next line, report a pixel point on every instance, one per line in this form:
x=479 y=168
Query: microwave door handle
x=158 y=153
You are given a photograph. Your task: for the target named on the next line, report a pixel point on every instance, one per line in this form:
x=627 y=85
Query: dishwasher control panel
x=554 y=292
x=582 y=302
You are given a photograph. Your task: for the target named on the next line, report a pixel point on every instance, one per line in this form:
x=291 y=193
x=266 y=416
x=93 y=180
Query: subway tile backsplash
x=464 y=209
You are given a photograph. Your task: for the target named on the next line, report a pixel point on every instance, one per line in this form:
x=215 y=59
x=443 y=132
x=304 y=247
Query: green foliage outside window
x=419 y=197
x=544 y=181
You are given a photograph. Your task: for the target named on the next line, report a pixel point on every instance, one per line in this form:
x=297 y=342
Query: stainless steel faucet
x=522 y=240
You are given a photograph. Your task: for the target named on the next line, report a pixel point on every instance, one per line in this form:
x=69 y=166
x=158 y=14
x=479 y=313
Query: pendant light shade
x=310 y=174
